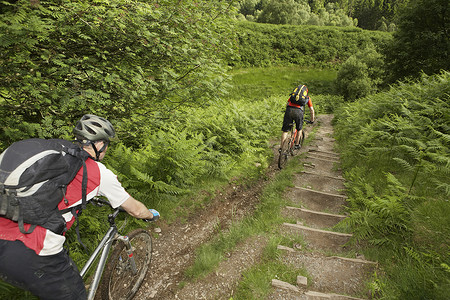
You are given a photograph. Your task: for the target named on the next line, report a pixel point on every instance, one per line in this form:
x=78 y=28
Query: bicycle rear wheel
x=118 y=281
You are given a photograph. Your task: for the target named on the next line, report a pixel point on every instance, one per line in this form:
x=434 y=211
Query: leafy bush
x=199 y=144
x=361 y=74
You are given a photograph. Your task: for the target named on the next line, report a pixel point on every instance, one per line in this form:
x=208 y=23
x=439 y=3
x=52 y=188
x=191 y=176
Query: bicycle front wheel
x=284 y=153
x=282 y=159
x=118 y=281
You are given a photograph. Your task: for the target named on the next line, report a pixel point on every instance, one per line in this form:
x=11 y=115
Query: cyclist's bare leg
x=297 y=138
x=283 y=138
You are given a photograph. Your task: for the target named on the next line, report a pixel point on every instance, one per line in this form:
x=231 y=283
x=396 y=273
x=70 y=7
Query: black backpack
x=34 y=175
x=299 y=96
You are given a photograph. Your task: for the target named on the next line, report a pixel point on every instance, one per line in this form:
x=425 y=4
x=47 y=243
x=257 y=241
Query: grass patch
x=259 y=83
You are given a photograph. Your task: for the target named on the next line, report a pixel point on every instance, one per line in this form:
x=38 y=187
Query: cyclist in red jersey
x=37 y=261
x=294 y=113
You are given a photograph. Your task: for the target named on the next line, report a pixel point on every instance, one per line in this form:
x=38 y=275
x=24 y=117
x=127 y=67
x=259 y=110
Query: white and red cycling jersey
x=101 y=182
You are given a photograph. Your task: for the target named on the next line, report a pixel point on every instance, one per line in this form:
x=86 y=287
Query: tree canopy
x=422 y=42
x=367 y=14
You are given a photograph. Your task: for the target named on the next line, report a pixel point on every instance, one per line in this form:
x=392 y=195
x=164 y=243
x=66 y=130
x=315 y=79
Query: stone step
x=312 y=295
x=320 y=175
x=313 y=218
x=316 y=154
x=319 y=182
x=324 y=138
x=286 y=291
x=322 y=166
x=285 y=286
x=318 y=238
x=331 y=273
x=322 y=159
x=325 y=147
x=323 y=152
x=317 y=200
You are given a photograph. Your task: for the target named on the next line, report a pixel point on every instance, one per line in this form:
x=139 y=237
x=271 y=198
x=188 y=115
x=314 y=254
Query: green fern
x=396 y=157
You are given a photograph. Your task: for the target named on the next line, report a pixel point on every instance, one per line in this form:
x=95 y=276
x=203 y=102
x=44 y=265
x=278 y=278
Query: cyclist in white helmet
x=37 y=261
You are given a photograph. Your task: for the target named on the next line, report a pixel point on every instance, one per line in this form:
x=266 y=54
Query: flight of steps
x=317 y=204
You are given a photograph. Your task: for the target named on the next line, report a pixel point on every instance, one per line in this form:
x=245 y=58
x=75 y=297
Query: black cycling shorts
x=48 y=277
x=292 y=114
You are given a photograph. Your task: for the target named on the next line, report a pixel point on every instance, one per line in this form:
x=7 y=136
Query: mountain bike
x=288 y=148
x=125 y=268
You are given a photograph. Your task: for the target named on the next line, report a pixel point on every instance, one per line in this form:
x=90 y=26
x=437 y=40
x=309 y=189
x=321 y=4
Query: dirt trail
x=317 y=202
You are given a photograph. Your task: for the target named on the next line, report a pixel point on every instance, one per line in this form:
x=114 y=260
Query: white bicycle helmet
x=94 y=128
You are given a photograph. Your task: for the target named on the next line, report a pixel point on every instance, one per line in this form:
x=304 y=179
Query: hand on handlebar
x=155 y=214
x=309 y=122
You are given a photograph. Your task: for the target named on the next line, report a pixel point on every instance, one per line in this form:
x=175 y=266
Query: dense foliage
x=59 y=59
x=396 y=152
x=422 y=43
x=267 y=44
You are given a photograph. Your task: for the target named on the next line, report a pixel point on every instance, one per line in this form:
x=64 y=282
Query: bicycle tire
x=282 y=159
x=284 y=154
x=118 y=282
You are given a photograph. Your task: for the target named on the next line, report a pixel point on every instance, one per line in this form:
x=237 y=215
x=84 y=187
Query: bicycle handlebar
x=98 y=201
x=155 y=215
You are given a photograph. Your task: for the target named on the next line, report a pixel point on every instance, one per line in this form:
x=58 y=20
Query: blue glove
x=155 y=214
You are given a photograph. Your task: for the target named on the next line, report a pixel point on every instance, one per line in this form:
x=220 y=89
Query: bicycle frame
x=288 y=144
x=290 y=139
x=294 y=133
x=104 y=247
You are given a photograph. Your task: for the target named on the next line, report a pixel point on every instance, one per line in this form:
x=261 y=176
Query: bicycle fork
x=129 y=249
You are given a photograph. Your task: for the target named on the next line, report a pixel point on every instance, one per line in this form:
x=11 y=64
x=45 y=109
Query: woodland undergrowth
x=396 y=157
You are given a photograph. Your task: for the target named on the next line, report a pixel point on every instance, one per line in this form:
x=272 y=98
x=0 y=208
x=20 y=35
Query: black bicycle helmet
x=94 y=128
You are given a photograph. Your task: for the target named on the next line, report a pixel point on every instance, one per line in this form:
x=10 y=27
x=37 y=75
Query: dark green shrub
x=361 y=74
